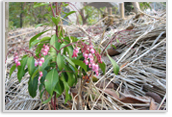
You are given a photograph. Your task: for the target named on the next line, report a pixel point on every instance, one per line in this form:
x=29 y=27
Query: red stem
x=54 y=100
x=52 y=10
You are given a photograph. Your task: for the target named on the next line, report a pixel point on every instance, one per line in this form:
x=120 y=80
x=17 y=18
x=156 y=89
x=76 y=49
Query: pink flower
x=92 y=51
x=44 y=53
x=39 y=78
x=91 y=46
x=36 y=63
x=96 y=67
x=89 y=65
x=86 y=62
x=18 y=63
x=40 y=73
x=42 y=59
x=90 y=55
x=91 y=60
x=85 y=55
x=40 y=63
x=93 y=66
x=75 y=52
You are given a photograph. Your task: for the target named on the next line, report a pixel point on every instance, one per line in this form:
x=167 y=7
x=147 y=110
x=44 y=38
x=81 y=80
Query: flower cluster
x=39 y=61
x=88 y=54
x=16 y=57
x=45 y=49
x=75 y=52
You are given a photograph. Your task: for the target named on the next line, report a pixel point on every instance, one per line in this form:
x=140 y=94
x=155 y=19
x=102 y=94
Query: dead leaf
x=134 y=99
x=123 y=65
x=101 y=85
x=153 y=106
x=155 y=96
x=112 y=93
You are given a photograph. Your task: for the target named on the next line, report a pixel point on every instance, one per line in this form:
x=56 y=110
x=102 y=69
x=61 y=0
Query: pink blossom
x=89 y=65
x=42 y=59
x=39 y=78
x=40 y=73
x=92 y=51
x=36 y=63
x=86 y=62
x=40 y=63
x=18 y=63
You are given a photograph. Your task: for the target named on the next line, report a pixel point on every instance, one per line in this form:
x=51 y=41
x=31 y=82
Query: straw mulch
x=140 y=84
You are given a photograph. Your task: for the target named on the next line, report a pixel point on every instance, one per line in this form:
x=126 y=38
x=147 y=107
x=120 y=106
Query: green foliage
x=115 y=65
x=102 y=67
x=21 y=68
x=145 y=5
x=12 y=69
x=32 y=86
x=31 y=65
x=34 y=38
x=51 y=80
x=60 y=70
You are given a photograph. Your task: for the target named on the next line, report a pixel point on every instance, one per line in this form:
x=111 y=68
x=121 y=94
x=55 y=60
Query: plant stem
x=54 y=100
x=56 y=15
x=52 y=10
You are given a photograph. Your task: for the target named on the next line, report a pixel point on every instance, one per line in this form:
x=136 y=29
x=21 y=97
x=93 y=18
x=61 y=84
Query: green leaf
x=21 y=71
x=35 y=37
x=32 y=86
x=56 y=20
x=31 y=65
x=38 y=25
x=38 y=49
x=54 y=42
x=80 y=63
x=45 y=63
x=117 y=41
x=115 y=65
x=102 y=67
x=66 y=87
x=71 y=77
x=35 y=73
x=113 y=46
x=59 y=88
x=71 y=63
x=40 y=4
x=51 y=80
x=69 y=60
x=70 y=51
x=64 y=4
x=35 y=42
x=12 y=69
x=60 y=61
x=67 y=14
x=45 y=39
x=43 y=77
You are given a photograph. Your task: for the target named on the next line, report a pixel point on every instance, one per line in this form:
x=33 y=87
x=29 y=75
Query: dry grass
x=142 y=69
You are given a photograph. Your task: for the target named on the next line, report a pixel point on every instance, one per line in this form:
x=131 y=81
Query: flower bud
x=18 y=63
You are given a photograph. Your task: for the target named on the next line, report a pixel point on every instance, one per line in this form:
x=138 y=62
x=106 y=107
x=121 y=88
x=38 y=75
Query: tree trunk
x=21 y=15
x=122 y=10
x=6 y=25
x=136 y=7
